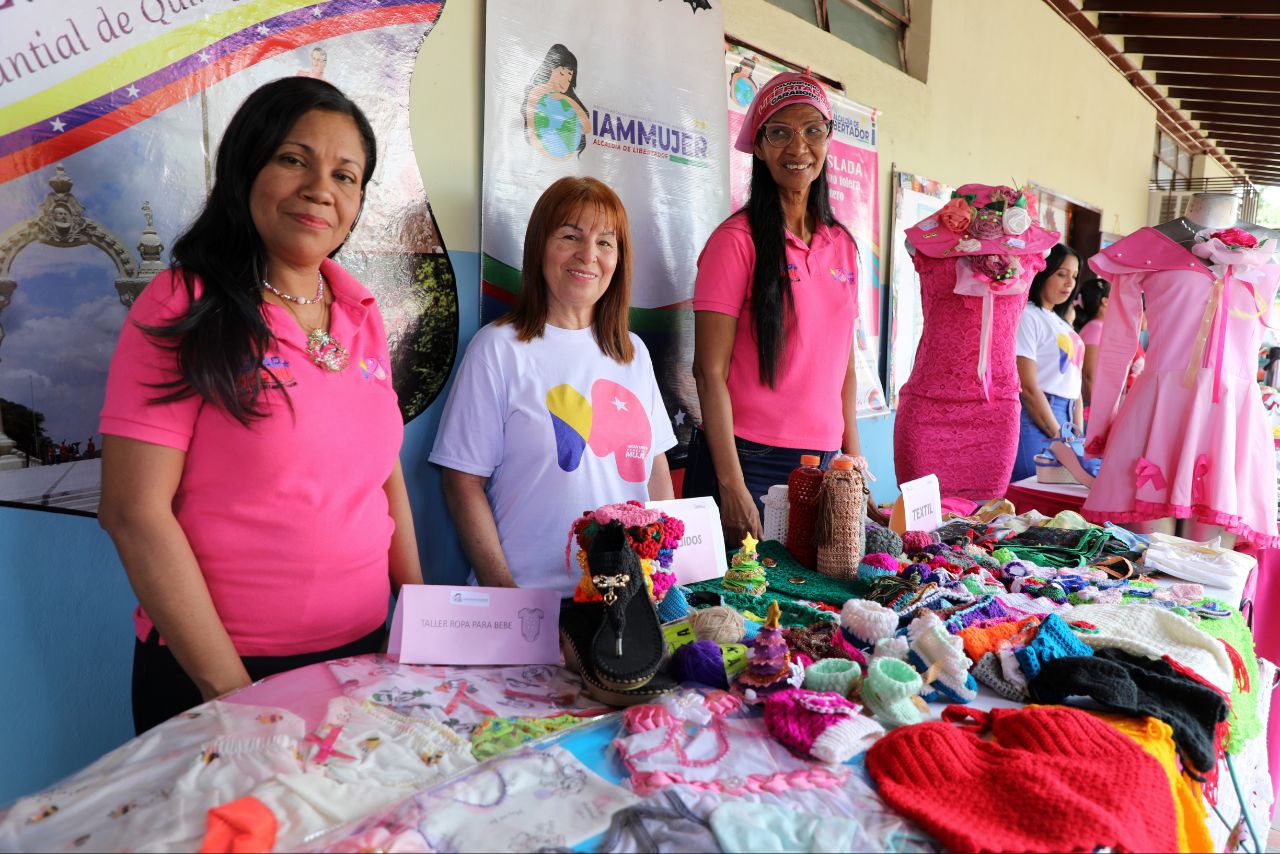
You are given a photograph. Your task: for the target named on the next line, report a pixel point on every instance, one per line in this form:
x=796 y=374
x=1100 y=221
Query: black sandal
x=627 y=649
x=579 y=623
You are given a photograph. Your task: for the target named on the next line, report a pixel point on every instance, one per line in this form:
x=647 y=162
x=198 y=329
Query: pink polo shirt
x=804 y=409
x=287 y=517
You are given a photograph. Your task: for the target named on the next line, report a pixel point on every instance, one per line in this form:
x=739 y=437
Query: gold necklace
x=322 y=347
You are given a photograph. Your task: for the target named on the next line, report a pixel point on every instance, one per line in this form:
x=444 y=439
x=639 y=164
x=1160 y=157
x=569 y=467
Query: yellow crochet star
x=749 y=544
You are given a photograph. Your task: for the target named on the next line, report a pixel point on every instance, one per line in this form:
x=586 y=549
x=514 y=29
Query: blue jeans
x=1032 y=440
x=762 y=467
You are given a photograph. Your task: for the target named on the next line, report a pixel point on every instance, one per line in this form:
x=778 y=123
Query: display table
x=1047 y=498
x=367 y=753
x=274 y=738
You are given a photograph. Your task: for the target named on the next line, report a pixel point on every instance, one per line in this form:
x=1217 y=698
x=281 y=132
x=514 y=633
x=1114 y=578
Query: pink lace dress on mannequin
x=1190 y=440
x=958 y=411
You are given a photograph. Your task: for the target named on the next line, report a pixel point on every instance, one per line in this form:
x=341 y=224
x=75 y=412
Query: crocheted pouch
x=841 y=535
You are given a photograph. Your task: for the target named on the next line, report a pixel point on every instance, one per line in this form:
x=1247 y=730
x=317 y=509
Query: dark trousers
x=162 y=689
x=762 y=467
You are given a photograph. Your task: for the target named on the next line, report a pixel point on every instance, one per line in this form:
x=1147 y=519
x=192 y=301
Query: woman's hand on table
x=738 y=514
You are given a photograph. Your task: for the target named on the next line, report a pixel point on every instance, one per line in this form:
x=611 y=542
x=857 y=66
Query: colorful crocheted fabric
x=983 y=638
x=819 y=724
x=1232 y=632
x=1048 y=782
x=1054 y=640
x=654 y=536
x=791 y=585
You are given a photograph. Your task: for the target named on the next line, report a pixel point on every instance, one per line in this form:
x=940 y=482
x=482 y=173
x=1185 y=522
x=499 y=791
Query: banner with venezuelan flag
x=110 y=117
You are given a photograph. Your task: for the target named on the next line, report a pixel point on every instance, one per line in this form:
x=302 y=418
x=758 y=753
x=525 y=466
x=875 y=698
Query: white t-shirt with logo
x=558 y=428
x=1056 y=348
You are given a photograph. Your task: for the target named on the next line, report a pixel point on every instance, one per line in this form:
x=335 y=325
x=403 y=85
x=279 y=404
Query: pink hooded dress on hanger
x=958 y=411
x=1190 y=439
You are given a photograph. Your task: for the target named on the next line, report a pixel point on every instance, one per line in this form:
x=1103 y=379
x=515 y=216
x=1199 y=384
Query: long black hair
x=772 y=304
x=1057 y=255
x=221 y=339
x=1092 y=293
x=558 y=56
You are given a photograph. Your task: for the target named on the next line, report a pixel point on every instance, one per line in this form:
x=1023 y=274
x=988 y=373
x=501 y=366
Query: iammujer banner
x=630 y=93
x=854 y=188
x=110 y=116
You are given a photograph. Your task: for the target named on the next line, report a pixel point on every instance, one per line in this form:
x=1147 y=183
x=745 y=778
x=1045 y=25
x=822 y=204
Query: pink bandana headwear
x=781 y=91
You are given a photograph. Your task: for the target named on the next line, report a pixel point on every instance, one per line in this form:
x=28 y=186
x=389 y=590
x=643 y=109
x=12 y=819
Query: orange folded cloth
x=240 y=827
x=979 y=641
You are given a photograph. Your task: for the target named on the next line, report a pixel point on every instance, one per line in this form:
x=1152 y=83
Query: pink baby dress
x=958 y=411
x=1190 y=439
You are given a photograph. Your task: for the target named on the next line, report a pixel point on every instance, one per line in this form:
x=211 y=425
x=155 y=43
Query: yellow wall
x=1013 y=93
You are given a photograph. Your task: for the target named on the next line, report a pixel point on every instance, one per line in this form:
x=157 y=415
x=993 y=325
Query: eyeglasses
x=780 y=135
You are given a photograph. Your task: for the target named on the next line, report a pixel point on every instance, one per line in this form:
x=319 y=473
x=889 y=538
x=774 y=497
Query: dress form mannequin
x=1211 y=210
x=1215 y=211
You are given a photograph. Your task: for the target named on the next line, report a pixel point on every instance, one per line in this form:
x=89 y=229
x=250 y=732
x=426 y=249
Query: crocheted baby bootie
x=628 y=647
x=888 y=690
x=866 y=622
x=940 y=653
x=834 y=675
x=818 y=724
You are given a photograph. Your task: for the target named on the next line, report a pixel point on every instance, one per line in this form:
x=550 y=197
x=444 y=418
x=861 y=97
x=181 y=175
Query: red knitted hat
x=1054 y=779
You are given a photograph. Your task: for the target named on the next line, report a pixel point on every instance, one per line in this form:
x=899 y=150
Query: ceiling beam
x=1202 y=28
x=1235 y=151
x=1245 y=134
x=1177 y=7
x=1225 y=48
x=1226 y=96
x=1229 y=138
x=1222 y=119
x=1229 y=109
x=1218 y=81
x=1199 y=65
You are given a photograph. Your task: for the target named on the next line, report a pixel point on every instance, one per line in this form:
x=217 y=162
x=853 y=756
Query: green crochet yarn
x=809 y=586
x=1004 y=556
x=1243 y=718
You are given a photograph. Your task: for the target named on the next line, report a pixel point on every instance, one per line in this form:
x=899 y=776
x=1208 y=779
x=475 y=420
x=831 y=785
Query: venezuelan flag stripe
x=44 y=142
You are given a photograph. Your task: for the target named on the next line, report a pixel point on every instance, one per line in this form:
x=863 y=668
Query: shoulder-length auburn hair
x=559 y=204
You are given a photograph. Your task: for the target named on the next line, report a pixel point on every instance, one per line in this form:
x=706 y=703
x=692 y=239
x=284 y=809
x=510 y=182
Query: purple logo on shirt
x=844 y=276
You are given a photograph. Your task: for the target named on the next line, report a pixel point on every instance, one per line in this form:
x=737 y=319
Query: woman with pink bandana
x=775 y=303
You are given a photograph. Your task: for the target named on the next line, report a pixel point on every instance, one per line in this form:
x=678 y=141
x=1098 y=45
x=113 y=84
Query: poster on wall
x=566 y=93
x=112 y=112
x=914 y=198
x=853 y=179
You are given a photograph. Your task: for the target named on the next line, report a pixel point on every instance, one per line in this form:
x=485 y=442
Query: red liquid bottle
x=804 y=484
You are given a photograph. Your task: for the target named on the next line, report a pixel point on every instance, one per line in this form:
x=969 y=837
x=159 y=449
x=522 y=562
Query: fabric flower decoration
x=1236 y=238
x=1016 y=220
x=955 y=215
x=986 y=225
x=996 y=267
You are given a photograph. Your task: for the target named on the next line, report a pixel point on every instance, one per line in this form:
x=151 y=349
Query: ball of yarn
x=883 y=540
x=673 y=606
x=721 y=624
x=914 y=542
x=701 y=661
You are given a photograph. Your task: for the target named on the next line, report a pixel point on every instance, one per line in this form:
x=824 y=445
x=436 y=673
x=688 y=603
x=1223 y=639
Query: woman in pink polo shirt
x=775 y=303
x=250 y=471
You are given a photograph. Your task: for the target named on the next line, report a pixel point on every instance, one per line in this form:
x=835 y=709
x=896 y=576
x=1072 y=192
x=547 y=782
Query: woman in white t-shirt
x=555 y=409
x=1050 y=356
